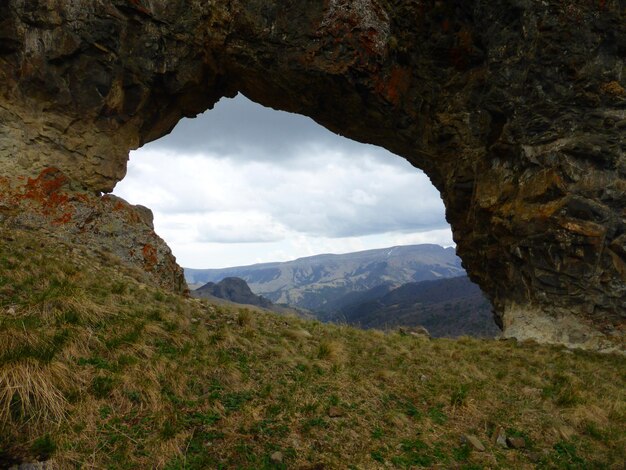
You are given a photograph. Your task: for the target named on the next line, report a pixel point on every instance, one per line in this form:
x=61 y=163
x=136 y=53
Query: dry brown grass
x=30 y=391
x=125 y=376
x=298 y=334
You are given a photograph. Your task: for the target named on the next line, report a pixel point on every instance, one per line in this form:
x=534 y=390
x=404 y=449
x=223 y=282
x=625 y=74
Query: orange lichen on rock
x=49 y=181
x=149 y=256
x=65 y=218
x=613 y=88
x=396 y=86
x=369 y=40
x=119 y=206
x=45 y=191
x=125 y=210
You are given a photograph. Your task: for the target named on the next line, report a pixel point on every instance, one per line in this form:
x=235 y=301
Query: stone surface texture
x=107 y=225
x=516 y=109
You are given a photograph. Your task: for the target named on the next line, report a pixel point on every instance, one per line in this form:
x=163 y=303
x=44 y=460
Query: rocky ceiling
x=516 y=109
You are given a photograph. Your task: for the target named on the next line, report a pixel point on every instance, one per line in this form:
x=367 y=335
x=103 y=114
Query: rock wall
x=516 y=109
x=107 y=225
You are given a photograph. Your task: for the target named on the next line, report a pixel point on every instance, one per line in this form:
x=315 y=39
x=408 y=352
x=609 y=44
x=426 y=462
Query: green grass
x=99 y=369
x=43 y=447
x=102 y=386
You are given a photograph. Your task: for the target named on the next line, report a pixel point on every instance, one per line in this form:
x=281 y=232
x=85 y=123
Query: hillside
x=99 y=368
x=446 y=307
x=319 y=283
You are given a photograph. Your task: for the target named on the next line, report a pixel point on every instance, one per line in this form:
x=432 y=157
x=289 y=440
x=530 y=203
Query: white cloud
x=240 y=227
x=441 y=237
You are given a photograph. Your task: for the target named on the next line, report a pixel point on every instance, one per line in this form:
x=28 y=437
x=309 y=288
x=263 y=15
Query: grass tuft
x=43 y=447
x=244 y=317
x=29 y=391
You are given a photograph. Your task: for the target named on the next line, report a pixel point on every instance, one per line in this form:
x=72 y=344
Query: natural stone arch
x=514 y=108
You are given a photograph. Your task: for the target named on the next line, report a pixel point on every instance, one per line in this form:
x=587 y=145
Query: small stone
x=423 y=378
x=474 y=442
x=194 y=320
x=516 y=442
x=499 y=437
x=335 y=412
x=277 y=457
x=11 y=311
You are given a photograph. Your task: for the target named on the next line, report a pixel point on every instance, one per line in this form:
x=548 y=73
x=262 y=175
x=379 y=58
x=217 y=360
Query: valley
x=384 y=288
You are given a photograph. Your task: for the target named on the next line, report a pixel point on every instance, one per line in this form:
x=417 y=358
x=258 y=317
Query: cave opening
x=532 y=174
x=243 y=184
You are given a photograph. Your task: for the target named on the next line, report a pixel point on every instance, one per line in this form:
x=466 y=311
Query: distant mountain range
x=324 y=284
x=445 y=307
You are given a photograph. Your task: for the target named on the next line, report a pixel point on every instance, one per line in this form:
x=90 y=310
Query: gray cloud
x=243 y=130
x=241 y=176
x=335 y=197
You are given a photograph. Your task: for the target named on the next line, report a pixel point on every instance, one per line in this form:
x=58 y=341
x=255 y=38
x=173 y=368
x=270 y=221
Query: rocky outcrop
x=107 y=225
x=234 y=289
x=516 y=109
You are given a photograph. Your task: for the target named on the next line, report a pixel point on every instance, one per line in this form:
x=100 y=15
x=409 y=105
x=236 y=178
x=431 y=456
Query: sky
x=243 y=184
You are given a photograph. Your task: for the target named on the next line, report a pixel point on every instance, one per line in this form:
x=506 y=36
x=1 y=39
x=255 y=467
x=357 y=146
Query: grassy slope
x=101 y=370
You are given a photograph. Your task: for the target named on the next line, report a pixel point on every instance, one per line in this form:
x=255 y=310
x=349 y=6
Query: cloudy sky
x=243 y=184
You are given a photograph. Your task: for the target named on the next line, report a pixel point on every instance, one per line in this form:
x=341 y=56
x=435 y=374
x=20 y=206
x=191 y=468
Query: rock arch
x=516 y=109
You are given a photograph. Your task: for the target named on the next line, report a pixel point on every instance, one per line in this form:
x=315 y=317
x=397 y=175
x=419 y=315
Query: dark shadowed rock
x=514 y=109
x=233 y=289
x=516 y=442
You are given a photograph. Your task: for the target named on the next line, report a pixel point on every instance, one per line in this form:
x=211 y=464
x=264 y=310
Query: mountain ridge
x=446 y=307
x=320 y=256
x=318 y=282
